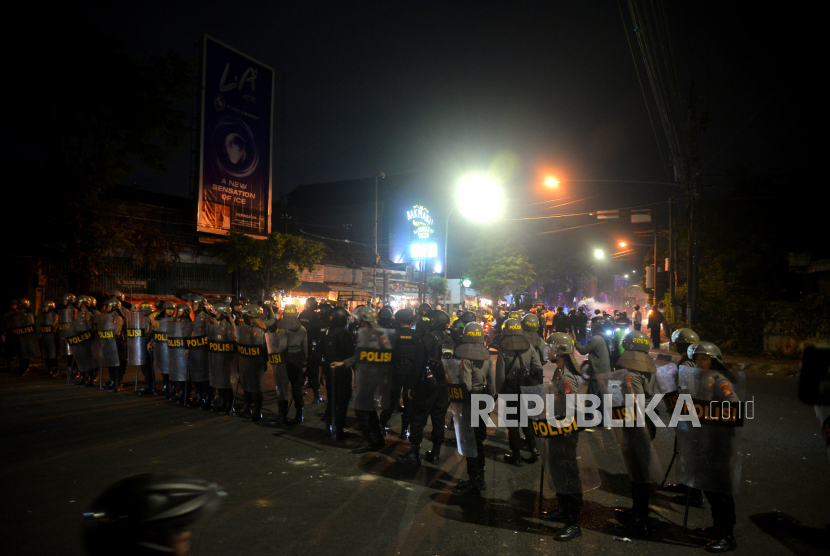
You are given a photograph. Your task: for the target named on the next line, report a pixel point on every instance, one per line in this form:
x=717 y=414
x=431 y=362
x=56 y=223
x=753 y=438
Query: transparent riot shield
x=178 y=333
x=823 y=414
x=667 y=382
x=24 y=332
x=709 y=455
x=372 y=370
x=79 y=339
x=634 y=439
x=46 y=328
x=277 y=343
x=461 y=408
x=197 y=350
x=107 y=339
x=65 y=318
x=221 y=354
x=136 y=340
x=250 y=347
x=160 y=360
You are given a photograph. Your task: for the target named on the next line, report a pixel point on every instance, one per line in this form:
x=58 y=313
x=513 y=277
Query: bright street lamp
x=477 y=198
x=599 y=254
x=551 y=182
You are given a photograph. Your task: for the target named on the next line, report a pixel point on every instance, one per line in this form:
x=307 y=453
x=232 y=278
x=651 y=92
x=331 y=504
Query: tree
x=275 y=262
x=497 y=268
x=563 y=276
x=437 y=287
x=112 y=114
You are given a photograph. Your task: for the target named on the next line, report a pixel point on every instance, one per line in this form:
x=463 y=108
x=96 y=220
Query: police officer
x=66 y=316
x=117 y=324
x=295 y=362
x=223 y=404
x=324 y=314
x=561 y=322
x=644 y=381
x=252 y=369
x=148 y=514
x=311 y=322
x=599 y=354
x=47 y=325
x=405 y=347
x=422 y=314
x=167 y=311
x=517 y=365
x=25 y=334
x=708 y=357
x=479 y=374
x=530 y=327
x=85 y=305
x=338 y=346
x=150 y=313
x=197 y=364
x=427 y=388
x=8 y=334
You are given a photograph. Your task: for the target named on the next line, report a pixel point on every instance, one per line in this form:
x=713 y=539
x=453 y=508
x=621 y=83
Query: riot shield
x=65 y=318
x=277 y=344
x=634 y=439
x=79 y=338
x=221 y=354
x=160 y=355
x=667 y=382
x=197 y=352
x=823 y=414
x=460 y=404
x=46 y=328
x=709 y=455
x=569 y=462
x=136 y=339
x=250 y=346
x=372 y=370
x=25 y=332
x=178 y=332
x=107 y=331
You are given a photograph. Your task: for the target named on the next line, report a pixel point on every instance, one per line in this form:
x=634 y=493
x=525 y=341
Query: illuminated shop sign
x=421 y=222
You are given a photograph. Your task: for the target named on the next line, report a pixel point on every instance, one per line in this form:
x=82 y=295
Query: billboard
x=236 y=143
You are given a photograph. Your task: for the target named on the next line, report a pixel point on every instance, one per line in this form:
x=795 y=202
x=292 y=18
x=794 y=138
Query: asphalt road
x=294 y=491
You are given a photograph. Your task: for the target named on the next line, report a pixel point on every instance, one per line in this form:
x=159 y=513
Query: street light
x=477 y=198
x=551 y=182
x=599 y=254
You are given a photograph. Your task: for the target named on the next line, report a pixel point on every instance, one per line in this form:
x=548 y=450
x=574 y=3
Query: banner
x=236 y=145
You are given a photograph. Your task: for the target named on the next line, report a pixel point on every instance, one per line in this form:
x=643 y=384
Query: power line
x=574 y=228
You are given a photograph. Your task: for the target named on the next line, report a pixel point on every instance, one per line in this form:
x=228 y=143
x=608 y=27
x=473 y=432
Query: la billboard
x=235 y=165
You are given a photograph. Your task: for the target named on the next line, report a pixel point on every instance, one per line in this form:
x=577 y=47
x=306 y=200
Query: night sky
x=446 y=88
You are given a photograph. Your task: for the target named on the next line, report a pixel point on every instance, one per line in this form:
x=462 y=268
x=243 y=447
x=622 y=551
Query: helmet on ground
x=253 y=310
x=424 y=309
x=405 y=316
x=636 y=341
x=223 y=310
x=182 y=310
x=48 y=305
x=23 y=302
x=385 y=317
x=364 y=313
x=116 y=294
x=339 y=317
x=142 y=514
x=290 y=311
x=68 y=298
x=468 y=317
x=705 y=348
x=685 y=336
x=438 y=320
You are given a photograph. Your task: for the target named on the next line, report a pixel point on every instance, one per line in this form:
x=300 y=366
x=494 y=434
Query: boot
x=256 y=407
x=413 y=457
x=116 y=386
x=368 y=444
x=282 y=417
x=515 y=458
x=246 y=408
x=209 y=395
x=166 y=388
x=404 y=428
x=724 y=544
x=82 y=380
x=471 y=487
x=227 y=402
x=433 y=455
x=569 y=532
x=561 y=512
x=90 y=378
x=316 y=397
x=695 y=499
x=193 y=389
x=298 y=417
x=218 y=405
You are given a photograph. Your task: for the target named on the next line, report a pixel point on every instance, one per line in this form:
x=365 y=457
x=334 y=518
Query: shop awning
x=310 y=289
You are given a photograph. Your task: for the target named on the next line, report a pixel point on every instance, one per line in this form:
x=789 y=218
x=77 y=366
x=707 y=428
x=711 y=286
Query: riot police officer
x=110 y=329
x=83 y=323
x=8 y=335
x=422 y=314
x=25 y=335
x=221 y=358
x=530 y=327
x=311 y=322
x=148 y=315
x=66 y=316
x=599 y=354
x=295 y=362
x=47 y=324
x=427 y=388
x=338 y=346
x=157 y=345
x=405 y=346
x=250 y=341
x=517 y=365
x=479 y=375
x=197 y=354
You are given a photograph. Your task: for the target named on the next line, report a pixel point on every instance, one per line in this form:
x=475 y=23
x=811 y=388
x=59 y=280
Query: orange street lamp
x=551 y=182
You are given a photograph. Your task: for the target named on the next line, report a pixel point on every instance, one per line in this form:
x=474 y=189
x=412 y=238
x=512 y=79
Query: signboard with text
x=236 y=142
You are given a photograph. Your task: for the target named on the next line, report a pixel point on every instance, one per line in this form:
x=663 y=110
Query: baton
x=671 y=462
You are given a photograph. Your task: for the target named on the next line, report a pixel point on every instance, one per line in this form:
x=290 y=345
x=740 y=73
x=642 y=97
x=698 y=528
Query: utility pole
x=692 y=252
x=654 y=224
x=671 y=259
x=375 y=264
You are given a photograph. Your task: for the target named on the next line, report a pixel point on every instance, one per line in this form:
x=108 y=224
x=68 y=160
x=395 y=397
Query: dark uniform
x=338 y=345
x=295 y=361
x=480 y=378
x=519 y=369
x=312 y=324
x=403 y=356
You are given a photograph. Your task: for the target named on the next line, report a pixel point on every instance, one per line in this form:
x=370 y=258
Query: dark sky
x=446 y=88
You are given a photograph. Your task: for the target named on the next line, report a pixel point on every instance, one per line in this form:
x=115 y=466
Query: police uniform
x=295 y=362
x=338 y=345
x=404 y=350
x=518 y=369
x=311 y=322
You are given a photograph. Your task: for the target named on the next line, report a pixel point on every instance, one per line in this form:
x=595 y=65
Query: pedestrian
x=637 y=319
x=581 y=325
x=656 y=321
x=561 y=323
x=548 y=316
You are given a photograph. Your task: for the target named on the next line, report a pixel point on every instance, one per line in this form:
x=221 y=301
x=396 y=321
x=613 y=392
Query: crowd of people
x=421 y=363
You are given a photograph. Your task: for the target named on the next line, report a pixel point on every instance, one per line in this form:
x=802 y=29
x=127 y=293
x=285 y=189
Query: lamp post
x=375 y=262
x=446 y=235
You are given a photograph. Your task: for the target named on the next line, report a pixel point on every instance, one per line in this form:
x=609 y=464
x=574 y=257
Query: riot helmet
x=110 y=304
x=602 y=328
x=514 y=315
x=705 y=348
x=159 y=304
x=530 y=323
x=339 y=317
x=513 y=337
x=68 y=299
x=682 y=338
x=116 y=294
x=183 y=310
x=472 y=344
x=311 y=303
x=424 y=309
x=560 y=338
x=566 y=351
x=438 y=320
x=168 y=306
x=636 y=341
x=385 y=317
x=254 y=311
x=92 y=301
x=201 y=301
x=47 y=306
x=290 y=311
x=405 y=316
x=324 y=310
x=223 y=310
x=467 y=317
x=84 y=300
x=24 y=303
x=142 y=514
x=146 y=307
